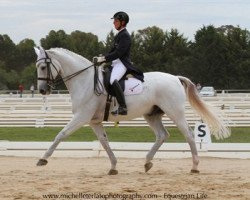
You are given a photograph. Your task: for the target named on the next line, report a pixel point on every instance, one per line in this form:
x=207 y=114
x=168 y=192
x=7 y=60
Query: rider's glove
x=99 y=59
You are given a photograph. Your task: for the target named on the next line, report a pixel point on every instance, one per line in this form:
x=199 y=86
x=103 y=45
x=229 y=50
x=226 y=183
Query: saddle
x=130 y=84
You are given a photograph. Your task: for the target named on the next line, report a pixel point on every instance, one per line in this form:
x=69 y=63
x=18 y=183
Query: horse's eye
x=43 y=68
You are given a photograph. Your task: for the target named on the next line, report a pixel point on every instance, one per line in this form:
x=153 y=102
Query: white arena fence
x=55 y=111
x=124 y=149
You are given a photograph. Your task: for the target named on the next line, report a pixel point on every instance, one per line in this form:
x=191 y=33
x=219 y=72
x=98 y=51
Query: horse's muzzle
x=44 y=89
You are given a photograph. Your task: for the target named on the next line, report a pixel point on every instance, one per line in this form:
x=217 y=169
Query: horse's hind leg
x=155 y=122
x=188 y=134
x=102 y=136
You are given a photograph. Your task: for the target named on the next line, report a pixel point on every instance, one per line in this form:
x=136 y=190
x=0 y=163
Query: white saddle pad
x=133 y=86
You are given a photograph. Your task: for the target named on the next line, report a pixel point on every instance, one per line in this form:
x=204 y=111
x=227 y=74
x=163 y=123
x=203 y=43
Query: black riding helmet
x=122 y=16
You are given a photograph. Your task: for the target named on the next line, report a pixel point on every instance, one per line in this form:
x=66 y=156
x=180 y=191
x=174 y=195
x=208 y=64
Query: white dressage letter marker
x=202 y=133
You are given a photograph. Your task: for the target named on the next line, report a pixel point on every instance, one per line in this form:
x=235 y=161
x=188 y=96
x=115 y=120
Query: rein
x=52 y=83
x=67 y=78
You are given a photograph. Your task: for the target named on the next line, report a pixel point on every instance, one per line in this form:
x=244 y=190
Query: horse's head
x=47 y=70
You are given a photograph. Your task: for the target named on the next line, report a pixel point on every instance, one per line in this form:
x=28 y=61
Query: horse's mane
x=69 y=53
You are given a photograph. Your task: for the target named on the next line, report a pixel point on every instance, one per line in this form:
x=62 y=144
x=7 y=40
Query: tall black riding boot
x=122 y=109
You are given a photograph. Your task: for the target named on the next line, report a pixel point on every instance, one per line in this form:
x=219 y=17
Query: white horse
x=162 y=94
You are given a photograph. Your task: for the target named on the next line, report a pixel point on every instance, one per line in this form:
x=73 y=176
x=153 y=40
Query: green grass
x=140 y=134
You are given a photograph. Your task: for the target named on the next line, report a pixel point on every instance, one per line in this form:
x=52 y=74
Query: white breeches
x=118 y=70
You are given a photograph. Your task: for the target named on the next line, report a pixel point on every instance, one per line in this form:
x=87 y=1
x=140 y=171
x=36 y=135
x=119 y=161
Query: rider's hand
x=98 y=59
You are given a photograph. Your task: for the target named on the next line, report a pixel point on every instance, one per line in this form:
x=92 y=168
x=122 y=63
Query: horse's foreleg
x=155 y=122
x=102 y=136
x=72 y=126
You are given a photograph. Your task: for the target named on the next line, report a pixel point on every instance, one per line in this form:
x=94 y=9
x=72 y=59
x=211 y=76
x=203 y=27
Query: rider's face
x=117 y=24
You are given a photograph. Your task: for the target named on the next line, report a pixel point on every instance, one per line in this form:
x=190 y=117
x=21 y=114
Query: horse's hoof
x=148 y=166
x=113 y=172
x=195 y=171
x=42 y=162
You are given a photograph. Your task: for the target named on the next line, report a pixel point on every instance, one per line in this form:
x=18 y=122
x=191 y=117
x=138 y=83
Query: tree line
x=218 y=57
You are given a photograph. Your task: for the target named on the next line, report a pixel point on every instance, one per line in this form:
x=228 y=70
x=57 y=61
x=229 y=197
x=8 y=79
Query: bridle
x=53 y=82
x=50 y=79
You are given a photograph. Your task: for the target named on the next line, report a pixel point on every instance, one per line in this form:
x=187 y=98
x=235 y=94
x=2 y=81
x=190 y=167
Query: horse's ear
x=40 y=52
x=41 y=49
x=37 y=50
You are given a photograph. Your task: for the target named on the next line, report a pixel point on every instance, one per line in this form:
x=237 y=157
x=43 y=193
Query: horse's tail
x=217 y=127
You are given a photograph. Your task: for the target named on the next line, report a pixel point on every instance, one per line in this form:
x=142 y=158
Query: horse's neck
x=81 y=83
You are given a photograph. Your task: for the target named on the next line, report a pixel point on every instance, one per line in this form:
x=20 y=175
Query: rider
x=120 y=57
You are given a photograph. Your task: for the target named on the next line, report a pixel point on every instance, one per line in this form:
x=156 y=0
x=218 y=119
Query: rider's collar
x=121 y=29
